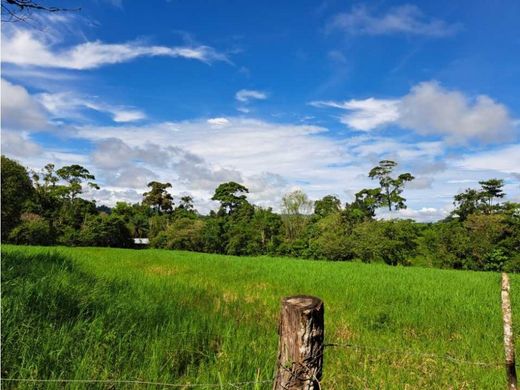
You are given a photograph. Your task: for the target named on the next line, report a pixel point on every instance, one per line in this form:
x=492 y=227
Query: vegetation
x=482 y=233
x=184 y=317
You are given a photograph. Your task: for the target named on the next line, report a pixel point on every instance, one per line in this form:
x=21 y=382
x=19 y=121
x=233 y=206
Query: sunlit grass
x=181 y=317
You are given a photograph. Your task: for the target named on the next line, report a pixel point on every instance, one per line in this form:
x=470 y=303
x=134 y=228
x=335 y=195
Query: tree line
x=481 y=233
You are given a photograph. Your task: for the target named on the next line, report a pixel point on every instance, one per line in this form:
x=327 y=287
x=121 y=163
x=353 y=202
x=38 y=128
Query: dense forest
x=481 y=233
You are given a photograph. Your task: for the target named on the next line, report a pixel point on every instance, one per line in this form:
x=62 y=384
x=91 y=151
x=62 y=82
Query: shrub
x=331 y=239
x=108 y=231
x=183 y=234
x=393 y=242
x=32 y=232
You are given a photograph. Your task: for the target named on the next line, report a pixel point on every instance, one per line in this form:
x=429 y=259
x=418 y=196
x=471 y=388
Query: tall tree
x=391 y=188
x=75 y=175
x=17 y=189
x=231 y=196
x=158 y=197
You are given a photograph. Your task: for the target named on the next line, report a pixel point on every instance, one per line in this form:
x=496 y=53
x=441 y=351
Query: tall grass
x=180 y=317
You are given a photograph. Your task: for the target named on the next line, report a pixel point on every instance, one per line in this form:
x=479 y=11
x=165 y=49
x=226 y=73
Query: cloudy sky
x=275 y=95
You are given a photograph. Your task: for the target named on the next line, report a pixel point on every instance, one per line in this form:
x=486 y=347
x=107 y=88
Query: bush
x=331 y=239
x=32 y=232
x=182 y=234
x=108 y=231
x=393 y=242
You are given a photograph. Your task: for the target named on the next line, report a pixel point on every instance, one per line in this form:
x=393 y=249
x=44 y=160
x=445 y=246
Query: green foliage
x=473 y=201
x=329 y=204
x=267 y=230
x=75 y=175
x=185 y=209
x=295 y=208
x=16 y=191
x=213 y=234
x=182 y=233
x=391 y=188
x=136 y=218
x=108 y=231
x=392 y=242
x=331 y=239
x=31 y=232
x=231 y=196
x=481 y=233
x=158 y=197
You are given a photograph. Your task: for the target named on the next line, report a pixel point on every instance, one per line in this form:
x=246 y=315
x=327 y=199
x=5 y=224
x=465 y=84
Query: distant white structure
x=141 y=241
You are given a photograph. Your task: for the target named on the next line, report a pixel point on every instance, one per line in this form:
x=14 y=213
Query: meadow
x=190 y=318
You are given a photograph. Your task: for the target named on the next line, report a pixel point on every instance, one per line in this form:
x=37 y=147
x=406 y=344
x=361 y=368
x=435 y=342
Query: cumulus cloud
x=430 y=109
x=134 y=177
x=20 y=110
x=28 y=48
x=403 y=19
x=245 y=95
x=112 y=153
x=19 y=145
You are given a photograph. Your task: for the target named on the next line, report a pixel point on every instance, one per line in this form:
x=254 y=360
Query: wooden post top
x=303 y=302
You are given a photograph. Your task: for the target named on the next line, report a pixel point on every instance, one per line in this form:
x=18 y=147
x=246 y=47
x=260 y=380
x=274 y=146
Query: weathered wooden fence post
x=508 y=334
x=300 y=349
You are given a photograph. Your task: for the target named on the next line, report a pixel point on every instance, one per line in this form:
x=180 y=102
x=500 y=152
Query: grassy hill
x=180 y=317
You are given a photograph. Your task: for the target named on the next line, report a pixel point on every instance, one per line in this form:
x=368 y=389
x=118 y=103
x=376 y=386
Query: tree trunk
x=300 y=353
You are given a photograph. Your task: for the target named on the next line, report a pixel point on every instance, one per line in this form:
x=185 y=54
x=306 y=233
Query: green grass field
x=180 y=317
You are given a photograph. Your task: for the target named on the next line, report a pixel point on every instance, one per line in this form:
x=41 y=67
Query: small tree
x=492 y=189
x=391 y=188
x=466 y=203
x=294 y=205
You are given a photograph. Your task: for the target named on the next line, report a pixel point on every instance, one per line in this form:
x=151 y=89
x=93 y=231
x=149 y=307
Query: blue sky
x=276 y=95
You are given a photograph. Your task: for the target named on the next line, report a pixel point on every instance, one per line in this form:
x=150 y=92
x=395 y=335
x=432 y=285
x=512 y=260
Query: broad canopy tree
x=231 y=196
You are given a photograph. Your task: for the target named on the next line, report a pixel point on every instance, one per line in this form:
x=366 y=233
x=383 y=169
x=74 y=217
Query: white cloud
x=504 y=159
x=28 y=48
x=245 y=95
x=20 y=110
x=430 y=109
x=112 y=153
x=423 y=214
x=365 y=115
x=134 y=177
x=270 y=159
x=403 y=19
x=19 y=145
x=218 y=122
x=67 y=104
x=123 y=116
